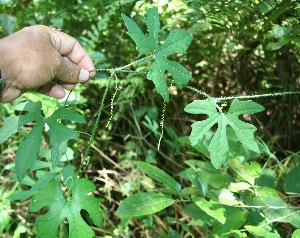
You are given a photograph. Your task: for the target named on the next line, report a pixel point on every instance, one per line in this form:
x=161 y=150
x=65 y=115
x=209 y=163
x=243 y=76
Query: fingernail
x=83 y=75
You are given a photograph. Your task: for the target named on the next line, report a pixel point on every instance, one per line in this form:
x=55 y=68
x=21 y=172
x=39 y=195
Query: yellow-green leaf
x=140 y=204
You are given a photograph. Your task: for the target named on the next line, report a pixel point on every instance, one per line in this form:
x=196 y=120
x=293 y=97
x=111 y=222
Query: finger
x=8 y=94
x=71 y=73
x=52 y=90
x=68 y=46
x=66 y=85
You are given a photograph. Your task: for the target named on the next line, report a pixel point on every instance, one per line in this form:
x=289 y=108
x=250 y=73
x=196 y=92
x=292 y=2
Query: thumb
x=71 y=73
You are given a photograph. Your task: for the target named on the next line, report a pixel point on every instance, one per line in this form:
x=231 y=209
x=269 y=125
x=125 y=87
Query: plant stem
x=256 y=96
x=121 y=68
x=94 y=130
x=162 y=124
x=198 y=91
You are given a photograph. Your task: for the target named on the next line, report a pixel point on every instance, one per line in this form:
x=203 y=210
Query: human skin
x=44 y=60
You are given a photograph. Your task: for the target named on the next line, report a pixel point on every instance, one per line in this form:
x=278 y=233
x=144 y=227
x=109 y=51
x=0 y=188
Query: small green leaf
x=235 y=219
x=159 y=175
x=207 y=174
x=212 y=208
x=65 y=113
x=249 y=172
x=41 y=183
x=32 y=107
x=14 y=123
x=239 y=186
x=261 y=232
x=279 y=44
x=290 y=178
x=191 y=191
x=68 y=175
x=140 y=204
x=195 y=179
x=296 y=234
x=226 y=197
x=28 y=150
x=244 y=107
x=60 y=208
x=59 y=136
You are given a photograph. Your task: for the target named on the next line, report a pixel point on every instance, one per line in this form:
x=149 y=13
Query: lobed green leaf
x=218 y=146
x=81 y=198
x=176 y=43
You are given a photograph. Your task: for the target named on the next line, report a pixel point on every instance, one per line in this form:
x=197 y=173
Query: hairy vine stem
x=85 y=158
x=122 y=68
x=113 y=73
x=162 y=124
x=256 y=96
x=217 y=99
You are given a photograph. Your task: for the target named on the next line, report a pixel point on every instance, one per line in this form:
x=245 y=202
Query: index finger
x=68 y=46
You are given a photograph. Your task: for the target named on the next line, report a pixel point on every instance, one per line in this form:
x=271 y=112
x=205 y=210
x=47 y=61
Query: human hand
x=36 y=55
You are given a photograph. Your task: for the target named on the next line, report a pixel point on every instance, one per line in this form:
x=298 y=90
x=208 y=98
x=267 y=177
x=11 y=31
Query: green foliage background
x=238 y=48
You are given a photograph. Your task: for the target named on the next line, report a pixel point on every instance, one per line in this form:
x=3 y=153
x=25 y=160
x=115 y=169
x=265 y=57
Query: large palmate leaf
x=29 y=147
x=218 y=146
x=81 y=198
x=177 y=43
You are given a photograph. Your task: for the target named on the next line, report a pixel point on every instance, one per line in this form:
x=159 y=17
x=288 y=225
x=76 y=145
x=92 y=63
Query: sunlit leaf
x=249 y=172
x=261 y=232
x=144 y=204
x=218 y=146
x=296 y=233
x=226 y=197
x=212 y=208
